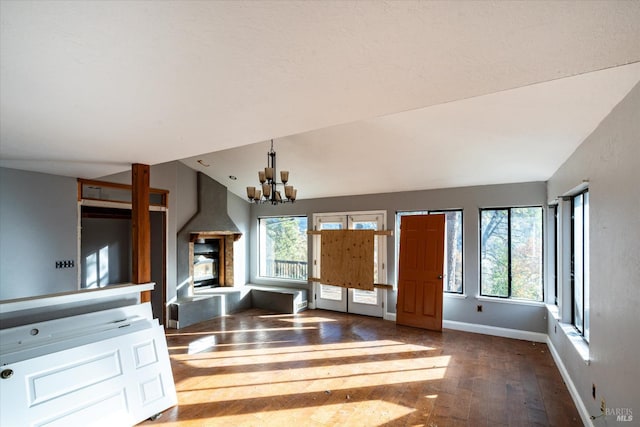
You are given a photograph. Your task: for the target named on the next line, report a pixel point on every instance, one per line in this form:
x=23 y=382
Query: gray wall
x=610 y=159
x=114 y=233
x=470 y=199
x=38 y=226
x=240 y=212
x=38 y=220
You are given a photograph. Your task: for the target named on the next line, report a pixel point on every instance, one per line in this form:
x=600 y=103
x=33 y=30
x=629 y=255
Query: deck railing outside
x=296 y=270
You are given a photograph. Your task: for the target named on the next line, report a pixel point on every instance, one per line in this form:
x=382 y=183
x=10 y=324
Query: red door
x=420 y=273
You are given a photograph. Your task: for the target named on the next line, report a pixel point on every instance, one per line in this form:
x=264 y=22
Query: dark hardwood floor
x=321 y=368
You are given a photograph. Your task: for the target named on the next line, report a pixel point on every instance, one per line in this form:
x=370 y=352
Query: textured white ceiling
x=87 y=88
x=518 y=135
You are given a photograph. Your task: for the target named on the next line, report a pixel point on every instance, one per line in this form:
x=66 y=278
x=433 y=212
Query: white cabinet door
x=117 y=381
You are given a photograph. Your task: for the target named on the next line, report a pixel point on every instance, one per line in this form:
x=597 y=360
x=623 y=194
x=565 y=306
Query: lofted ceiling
x=360 y=97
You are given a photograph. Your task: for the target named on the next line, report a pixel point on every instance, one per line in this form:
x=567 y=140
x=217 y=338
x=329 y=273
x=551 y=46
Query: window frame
x=556 y=245
x=584 y=328
x=509 y=296
x=262 y=248
x=399 y=214
x=554 y=249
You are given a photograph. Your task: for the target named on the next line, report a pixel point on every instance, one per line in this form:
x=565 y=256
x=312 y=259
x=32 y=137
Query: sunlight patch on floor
x=315 y=351
x=239 y=331
x=344 y=413
x=259 y=344
x=319 y=353
x=202 y=344
x=308 y=320
x=310 y=379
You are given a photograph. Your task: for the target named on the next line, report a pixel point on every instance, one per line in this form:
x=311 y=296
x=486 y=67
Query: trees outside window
x=511 y=253
x=453 y=246
x=283 y=247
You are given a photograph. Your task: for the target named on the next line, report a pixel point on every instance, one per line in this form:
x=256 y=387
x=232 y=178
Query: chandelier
x=268 y=192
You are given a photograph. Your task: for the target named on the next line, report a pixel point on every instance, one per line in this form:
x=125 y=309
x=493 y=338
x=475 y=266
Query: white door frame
x=347 y=302
x=318 y=288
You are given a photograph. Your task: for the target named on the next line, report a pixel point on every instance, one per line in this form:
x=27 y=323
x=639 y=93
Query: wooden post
x=141 y=227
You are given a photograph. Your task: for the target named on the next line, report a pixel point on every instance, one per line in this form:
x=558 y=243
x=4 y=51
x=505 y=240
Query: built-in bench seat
x=213 y=302
x=278 y=298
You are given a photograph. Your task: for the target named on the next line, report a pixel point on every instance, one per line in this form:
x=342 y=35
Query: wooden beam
x=375 y=233
x=141 y=227
x=375 y=285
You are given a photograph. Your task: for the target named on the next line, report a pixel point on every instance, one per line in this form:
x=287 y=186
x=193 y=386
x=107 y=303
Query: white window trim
x=563 y=312
x=510 y=300
x=455 y=295
x=570 y=332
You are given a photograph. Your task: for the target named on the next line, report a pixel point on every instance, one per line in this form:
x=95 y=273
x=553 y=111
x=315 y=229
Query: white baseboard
x=573 y=391
x=389 y=316
x=495 y=331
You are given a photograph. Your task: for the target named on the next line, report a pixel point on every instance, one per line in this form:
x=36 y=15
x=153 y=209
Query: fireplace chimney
x=211 y=221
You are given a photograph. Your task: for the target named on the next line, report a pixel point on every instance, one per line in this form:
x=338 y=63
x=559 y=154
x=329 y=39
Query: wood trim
x=222 y=252
x=163 y=287
x=375 y=285
x=118 y=185
x=82 y=181
x=79 y=190
x=376 y=232
x=141 y=227
x=191 y=272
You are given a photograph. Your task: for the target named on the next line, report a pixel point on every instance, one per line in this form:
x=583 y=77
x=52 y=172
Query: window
x=511 y=253
x=283 y=247
x=452 y=247
x=580 y=262
x=553 y=251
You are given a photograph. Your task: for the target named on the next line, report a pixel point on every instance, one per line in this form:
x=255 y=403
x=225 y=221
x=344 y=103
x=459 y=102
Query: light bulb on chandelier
x=268 y=192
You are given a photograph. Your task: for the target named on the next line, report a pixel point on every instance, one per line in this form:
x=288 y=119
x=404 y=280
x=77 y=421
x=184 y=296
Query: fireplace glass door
x=206 y=268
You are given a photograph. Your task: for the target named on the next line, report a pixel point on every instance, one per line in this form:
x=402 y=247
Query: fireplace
x=206 y=263
x=211 y=259
x=206 y=241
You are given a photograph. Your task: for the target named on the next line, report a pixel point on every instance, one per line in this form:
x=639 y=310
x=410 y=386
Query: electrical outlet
x=603 y=406
x=479 y=308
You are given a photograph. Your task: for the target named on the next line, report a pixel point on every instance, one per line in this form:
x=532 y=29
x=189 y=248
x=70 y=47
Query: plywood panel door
x=421 y=269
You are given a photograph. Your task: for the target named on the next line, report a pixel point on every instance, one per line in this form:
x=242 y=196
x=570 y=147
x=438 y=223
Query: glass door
x=328 y=297
x=357 y=301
